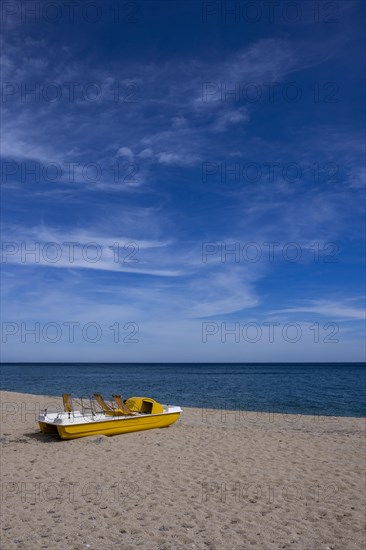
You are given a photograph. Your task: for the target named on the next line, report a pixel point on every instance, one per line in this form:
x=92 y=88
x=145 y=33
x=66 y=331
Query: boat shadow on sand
x=8 y=439
x=38 y=436
x=54 y=438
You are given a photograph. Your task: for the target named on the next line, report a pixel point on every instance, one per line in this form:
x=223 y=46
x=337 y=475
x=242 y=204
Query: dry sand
x=214 y=480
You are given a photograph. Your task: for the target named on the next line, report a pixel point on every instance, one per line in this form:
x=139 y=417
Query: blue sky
x=155 y=137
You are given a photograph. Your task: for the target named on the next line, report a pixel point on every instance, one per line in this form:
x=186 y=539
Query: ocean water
x=325 y=389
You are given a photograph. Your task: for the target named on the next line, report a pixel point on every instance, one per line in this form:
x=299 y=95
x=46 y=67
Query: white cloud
x=146 y=154
x=84 y=250
x=180 y=140
x=334 y=310
x=178 y=159
x=231 y=118
x=125 y=152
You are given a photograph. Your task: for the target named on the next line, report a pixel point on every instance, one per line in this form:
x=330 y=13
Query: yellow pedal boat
x=133 y=415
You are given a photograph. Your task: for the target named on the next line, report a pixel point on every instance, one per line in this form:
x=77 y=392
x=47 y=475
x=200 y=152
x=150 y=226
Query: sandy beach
x=216 y=480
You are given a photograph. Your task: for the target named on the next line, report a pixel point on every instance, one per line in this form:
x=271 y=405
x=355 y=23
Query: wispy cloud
x=181 y=139
x=148 y=127
x=330 y=309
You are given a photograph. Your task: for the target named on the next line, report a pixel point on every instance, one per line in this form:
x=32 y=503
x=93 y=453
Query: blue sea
x=307 y=388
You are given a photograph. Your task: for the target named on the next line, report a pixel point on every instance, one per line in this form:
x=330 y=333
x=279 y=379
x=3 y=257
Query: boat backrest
x=104 y=406
x=66 y=398
x=109 y=410
x=121 y=405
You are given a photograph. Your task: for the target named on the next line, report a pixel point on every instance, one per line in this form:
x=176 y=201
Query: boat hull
x=110 y=427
